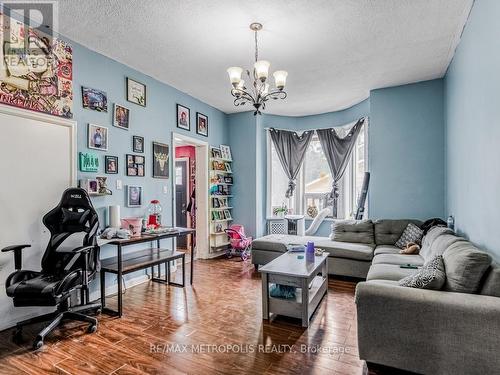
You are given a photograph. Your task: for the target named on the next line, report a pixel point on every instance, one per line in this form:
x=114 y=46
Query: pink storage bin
x=133 y=224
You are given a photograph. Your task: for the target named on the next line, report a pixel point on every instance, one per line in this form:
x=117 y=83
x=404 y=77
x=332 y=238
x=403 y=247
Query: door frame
x=187 y=182
x=201 y=186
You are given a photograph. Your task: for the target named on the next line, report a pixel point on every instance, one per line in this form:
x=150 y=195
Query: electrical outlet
x=119 y=185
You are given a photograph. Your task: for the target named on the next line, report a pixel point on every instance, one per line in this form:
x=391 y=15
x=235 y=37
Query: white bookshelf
x=220 y=203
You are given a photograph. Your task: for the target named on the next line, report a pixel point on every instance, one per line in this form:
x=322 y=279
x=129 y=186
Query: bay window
x=314 y=180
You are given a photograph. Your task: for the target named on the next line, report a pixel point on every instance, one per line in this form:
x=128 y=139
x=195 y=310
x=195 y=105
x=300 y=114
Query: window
x=314 y=181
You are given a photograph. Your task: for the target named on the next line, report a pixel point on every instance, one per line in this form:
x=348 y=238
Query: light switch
x=165 y=189
x=119 y=184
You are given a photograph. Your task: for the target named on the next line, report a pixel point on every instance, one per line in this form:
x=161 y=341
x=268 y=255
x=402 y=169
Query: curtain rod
x=365 y=118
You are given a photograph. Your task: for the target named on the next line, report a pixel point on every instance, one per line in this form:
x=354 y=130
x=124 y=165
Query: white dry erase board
x=37 y=163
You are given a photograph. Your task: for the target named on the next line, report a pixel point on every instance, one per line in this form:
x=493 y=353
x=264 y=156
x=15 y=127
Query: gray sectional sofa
x=351 y=250
x=450 y=331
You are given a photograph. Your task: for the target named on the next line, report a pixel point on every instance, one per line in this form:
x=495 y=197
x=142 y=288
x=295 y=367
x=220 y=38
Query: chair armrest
x=14 y=247
x=83 y=249
x=18 y=257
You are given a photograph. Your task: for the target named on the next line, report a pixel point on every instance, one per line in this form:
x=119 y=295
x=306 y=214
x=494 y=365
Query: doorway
x=190 y=191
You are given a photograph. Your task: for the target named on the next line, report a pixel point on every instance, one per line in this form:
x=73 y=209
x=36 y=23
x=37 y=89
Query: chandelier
x=260 y=91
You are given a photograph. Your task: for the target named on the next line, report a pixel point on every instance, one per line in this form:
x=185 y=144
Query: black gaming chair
x=66 y=269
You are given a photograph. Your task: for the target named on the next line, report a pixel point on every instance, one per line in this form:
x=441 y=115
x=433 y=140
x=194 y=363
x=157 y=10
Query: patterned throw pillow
x=412 y=233
x=430 y=276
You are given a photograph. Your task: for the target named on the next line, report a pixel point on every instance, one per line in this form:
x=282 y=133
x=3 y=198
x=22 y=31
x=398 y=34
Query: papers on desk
x=163 y=230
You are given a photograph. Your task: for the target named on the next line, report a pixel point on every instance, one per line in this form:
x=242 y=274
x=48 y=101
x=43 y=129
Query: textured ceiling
x=335 y=51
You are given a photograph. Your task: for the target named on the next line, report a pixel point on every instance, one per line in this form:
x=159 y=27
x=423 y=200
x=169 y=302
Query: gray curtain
x=338 y=152
x=291 y=149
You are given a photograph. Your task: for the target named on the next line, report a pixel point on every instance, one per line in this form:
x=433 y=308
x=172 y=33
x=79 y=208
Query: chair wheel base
x=92 y=328
x=37 y=344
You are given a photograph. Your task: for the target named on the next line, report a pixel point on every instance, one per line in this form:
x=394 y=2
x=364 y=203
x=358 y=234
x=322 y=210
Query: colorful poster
x=36 y=70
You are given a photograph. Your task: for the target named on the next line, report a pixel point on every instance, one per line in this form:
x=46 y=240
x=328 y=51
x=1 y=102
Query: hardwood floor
x=220 y=316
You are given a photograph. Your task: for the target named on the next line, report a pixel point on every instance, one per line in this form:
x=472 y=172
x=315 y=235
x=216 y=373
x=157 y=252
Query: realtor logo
x=21 y=20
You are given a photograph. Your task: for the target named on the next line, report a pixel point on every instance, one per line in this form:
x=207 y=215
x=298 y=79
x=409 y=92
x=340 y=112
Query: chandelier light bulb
x=280 y=79
x=234 y=73
x=262 y=69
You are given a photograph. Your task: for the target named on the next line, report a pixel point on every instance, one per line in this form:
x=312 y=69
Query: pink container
x=133 y=224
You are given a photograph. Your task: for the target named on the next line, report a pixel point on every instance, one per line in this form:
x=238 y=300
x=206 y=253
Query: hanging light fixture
x=260 y=91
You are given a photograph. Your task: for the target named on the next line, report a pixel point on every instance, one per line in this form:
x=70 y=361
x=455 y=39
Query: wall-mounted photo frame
x=201 y=124
x=89 y=162
x=137 y=143
x=228 y=167
x=111 y=164
x=90 y=185
x=136 y=92
x=134 y=196
x=160 y=160
x=94 y=99
x=183 y=117
x=97 y=137
x=226 y=152
x=135 y=165
x=215 y=152
x=121 y=116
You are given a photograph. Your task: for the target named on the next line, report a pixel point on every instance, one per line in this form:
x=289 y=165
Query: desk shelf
x=138 y=260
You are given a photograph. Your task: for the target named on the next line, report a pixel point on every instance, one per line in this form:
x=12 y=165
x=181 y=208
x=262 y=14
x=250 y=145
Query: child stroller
x=239 y=242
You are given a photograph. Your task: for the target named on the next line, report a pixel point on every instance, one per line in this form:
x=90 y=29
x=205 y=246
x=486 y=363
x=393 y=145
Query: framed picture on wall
x=183 y=117
x=111 y=164
x=97 y=137
x=226 y=152
x=134 y=196
x=121 y=116
x=136 y=92
x=160 y=160
x=201 y=124
x=94 y=99
x=137 y=143
x=135 y=165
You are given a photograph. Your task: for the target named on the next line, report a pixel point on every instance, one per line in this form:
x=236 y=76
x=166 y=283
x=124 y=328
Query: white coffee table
x=310 y=277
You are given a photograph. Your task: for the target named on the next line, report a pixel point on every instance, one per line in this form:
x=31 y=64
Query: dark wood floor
x=222 y=308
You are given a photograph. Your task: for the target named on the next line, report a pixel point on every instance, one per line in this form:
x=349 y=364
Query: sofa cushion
x=387 y=231
x=276 y=242
x=411 y=234
x=355 y=231
x=430 y=276
x=430 y=237
x=386 y=249
x=465 y=266
x=440 y=245
x=279 y=242
x=358 y=251
x=388 y=272
x=398 y=259
x=491 y=283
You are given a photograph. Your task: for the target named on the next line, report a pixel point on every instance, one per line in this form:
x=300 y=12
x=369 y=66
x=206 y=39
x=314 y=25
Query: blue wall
x=472 y=101
x=155 y=122
x=406 y=157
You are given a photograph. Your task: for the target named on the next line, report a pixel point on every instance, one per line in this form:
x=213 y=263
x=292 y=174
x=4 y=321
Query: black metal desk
x=142 y=259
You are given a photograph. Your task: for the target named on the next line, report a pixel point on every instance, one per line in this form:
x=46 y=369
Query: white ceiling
x=335 y=51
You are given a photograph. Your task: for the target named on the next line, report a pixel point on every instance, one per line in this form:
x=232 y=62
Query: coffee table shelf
x=308 y=276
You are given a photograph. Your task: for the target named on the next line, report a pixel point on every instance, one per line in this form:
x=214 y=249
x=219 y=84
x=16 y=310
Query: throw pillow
x=412 y=233
x=430 y=276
